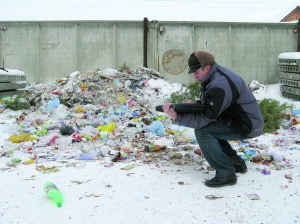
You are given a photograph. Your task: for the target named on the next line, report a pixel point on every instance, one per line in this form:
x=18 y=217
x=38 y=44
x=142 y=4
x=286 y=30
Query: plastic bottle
x=53 y=193
x=267 y=158
x=83 y=86
x=146 y=121
x=111 y=110
x=154 y=148
x=256 y=159
x=116 y=157
x=259 y=158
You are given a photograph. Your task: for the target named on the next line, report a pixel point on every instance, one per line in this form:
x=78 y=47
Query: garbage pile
x=104 y=114
x=110 y=116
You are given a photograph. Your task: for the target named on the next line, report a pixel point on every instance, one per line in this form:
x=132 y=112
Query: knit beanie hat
x=199 y=59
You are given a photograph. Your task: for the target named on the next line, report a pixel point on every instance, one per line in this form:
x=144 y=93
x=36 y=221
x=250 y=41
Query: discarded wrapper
x=253 y=197
x=213 y=197
x=127 y=167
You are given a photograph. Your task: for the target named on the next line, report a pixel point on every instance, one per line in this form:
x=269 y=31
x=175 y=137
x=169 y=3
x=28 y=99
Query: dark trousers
x=213 y=141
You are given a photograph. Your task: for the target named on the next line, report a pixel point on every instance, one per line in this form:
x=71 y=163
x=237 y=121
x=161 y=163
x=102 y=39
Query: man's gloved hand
x=169 y=110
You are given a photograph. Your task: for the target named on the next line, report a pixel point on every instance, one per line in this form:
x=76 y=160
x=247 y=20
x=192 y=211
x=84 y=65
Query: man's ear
x=208 y=67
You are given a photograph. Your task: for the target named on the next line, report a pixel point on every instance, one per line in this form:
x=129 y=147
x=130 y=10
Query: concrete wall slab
x=47 y=50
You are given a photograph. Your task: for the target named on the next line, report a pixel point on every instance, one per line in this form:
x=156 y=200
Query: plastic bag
x=53 y=104
x=157 y=127
x=66 y=130
x=22 y=138
x=108 y=128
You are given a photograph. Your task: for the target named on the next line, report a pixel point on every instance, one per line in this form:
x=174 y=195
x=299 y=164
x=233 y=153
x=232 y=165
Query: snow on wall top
x=289 y=55
x=11 y=72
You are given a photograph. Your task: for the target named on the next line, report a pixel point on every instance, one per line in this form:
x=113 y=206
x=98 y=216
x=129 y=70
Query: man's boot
x=239 y=164
x=221 y=181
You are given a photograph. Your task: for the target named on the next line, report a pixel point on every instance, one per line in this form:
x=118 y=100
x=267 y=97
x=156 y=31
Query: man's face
x=200 y=74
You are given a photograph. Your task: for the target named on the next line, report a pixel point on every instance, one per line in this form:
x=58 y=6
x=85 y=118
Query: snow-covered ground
x=157 y=191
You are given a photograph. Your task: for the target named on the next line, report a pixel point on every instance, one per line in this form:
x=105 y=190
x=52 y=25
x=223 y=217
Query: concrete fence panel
x=47 y=50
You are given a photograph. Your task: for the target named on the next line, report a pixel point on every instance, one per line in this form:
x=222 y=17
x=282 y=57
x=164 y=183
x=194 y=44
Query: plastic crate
x=289 y=58
x=291 y=96
x=289 y=68
x=289 y=82
x=11 y=81
x=288 y=61
x=10 y=93
x=11 y=86
x=11 y=75
x=290 y=90
x=288 y=75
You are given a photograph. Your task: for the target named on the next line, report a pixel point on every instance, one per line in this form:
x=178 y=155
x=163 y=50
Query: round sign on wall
x=174 y=61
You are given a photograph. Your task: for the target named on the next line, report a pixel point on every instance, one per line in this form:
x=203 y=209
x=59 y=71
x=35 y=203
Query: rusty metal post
x=298 y=41
x=145 y=41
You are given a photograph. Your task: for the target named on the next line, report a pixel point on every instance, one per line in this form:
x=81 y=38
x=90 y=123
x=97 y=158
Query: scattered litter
x=213 y=197
x=76 y=164
x=31 y=178
x=108 y=185
x=5 y=168
x=109 y=164
x=79 y=181
x=253 y=197
x=47 y=169
x=199 y=153
x=263 y=171
x=288 y=176
x=127 y=167
x=109 y=116
x=86 y=157
x=93 y=195
x=28 y=162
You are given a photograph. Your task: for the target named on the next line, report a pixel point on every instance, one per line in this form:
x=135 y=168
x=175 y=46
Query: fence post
x=145 y=41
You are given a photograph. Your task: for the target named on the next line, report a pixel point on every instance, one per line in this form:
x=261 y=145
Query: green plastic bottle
x=53 y=193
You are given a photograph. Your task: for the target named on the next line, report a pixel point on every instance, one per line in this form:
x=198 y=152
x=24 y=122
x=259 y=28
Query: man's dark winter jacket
x=228 y=99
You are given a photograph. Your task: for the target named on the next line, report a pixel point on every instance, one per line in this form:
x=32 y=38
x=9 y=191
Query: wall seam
x=38 y=37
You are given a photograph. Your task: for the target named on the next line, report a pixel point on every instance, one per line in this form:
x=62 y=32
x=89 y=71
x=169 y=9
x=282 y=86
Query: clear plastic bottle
x=53 y=193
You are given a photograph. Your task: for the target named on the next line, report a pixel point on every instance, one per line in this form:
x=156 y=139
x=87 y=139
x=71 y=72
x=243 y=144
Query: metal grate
x=11 y=81
x=289 y=74
x=289 y=62
x=288 y=82
x=289 y=68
